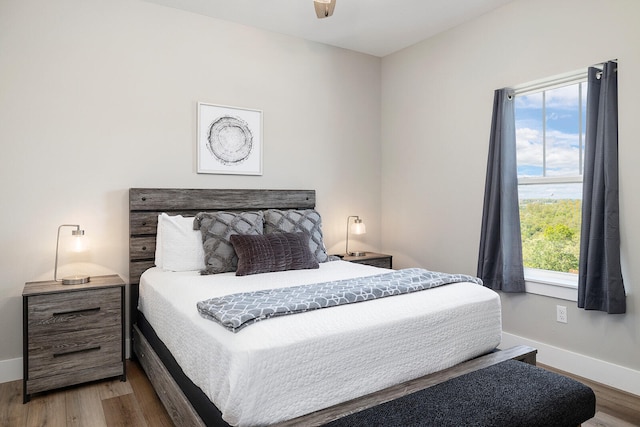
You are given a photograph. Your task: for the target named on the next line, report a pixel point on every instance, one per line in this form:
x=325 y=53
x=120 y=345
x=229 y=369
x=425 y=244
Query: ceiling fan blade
x=324 y=9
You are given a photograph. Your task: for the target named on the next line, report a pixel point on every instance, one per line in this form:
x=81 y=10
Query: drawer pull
x=84 y=310
x=85 y=350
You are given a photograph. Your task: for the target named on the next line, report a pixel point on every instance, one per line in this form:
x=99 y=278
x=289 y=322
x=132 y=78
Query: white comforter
x=288 y=366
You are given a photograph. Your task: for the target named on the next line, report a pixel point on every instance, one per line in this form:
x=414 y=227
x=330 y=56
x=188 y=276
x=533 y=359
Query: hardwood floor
x=603 y=419
x=101 y=404
x=614 y=408
x=134 y=403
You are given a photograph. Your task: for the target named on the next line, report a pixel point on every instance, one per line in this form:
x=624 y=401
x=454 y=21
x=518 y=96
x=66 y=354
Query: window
x=550 y=130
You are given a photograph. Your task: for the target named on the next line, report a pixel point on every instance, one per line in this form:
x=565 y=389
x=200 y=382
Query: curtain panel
x=600 y=285
x=500 y=256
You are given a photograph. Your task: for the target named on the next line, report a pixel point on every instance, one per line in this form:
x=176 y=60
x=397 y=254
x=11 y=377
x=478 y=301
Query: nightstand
x=371 y=258
x=72 y=333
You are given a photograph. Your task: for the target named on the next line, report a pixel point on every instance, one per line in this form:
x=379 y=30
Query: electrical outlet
x=561 y=313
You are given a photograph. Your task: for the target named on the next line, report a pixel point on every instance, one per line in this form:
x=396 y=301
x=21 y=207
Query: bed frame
x=144 y=207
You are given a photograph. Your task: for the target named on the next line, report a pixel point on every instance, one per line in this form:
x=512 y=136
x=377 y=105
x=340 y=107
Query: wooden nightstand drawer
x=72 y=333
x=72 y=377
x=70 y=351
x=73 y=311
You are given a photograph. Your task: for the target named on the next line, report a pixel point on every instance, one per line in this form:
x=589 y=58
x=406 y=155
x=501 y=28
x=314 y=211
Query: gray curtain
x=600 y=284
x=500 y=257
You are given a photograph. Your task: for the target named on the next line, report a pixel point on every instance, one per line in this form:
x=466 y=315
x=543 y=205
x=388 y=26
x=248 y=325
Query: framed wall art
x=229 y=140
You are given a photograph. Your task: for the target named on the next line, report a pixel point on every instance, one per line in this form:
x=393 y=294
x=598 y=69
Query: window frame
x=551 y=283
x=548 y=282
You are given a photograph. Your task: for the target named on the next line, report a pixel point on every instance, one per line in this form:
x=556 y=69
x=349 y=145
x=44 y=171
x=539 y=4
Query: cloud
x=529 y=148
x=529 y=101
x=562 y=152
x=565 y=98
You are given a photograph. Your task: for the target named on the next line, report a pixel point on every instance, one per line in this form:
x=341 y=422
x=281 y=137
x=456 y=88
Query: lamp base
x=356 y=253
x=77 y=279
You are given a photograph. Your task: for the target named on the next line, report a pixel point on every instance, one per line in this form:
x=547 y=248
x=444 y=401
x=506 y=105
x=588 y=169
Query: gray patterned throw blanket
x=236 y=311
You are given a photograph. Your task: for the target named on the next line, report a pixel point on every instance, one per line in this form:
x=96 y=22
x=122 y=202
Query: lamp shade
x=79 y=244
x=357 y=227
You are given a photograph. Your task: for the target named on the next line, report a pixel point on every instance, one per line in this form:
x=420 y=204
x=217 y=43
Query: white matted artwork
x=229 y=140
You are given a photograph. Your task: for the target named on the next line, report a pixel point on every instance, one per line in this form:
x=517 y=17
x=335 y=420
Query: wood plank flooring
x=100 y=404
x=134 y=403
x=610 y=402
x=603 y=419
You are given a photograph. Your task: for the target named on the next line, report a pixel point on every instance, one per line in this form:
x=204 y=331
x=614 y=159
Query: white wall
x=99 y=96
x=436 y=108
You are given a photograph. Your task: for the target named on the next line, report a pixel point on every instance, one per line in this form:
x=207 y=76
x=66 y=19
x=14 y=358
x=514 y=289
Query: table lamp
x=79 y=244
x=357 y=227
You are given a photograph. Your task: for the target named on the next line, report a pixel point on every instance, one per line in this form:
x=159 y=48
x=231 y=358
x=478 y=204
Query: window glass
x=563 y=131
x=529 y=131
x=550 y=217
x=550 y=149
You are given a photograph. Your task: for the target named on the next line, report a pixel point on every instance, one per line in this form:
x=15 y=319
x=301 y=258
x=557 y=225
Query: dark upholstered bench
x=510 y=393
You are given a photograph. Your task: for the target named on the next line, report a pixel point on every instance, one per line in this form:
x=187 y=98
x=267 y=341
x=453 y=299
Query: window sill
x=551 y=283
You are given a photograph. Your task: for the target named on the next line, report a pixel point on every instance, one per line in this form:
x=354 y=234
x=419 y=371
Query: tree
x=551 y=234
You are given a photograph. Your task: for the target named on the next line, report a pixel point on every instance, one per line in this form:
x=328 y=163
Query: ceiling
x=375 y=27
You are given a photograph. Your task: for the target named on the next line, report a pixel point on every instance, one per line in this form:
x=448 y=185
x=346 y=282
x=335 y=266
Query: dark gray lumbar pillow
x=272 y=252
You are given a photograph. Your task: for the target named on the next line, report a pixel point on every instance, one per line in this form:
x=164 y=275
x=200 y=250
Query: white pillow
x=158 y=261
x=178 y=245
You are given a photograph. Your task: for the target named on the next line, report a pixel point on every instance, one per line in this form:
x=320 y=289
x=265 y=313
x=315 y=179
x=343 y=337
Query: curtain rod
x=564 y=79
x=557 y=81
x=604 y=62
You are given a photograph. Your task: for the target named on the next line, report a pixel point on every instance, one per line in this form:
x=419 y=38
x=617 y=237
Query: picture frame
x=229 y=140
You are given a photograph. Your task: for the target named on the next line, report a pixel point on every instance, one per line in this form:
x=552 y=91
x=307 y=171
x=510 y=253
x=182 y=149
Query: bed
x=305 y=368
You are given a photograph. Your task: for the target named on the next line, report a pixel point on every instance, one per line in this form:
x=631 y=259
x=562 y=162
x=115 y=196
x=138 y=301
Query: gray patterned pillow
x=294 y=221
x=216 y=229
x=272 y=252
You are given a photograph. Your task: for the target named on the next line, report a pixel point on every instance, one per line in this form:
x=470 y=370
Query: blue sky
x=562 y=131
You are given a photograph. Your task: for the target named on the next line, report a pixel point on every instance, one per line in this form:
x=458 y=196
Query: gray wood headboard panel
x=145 y=204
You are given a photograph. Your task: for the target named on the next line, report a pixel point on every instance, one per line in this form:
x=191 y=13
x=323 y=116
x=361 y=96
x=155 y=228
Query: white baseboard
x=578 y=364
x=11 y=369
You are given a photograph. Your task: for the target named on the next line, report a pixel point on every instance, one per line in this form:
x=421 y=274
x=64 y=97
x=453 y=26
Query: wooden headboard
x=145 y=204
